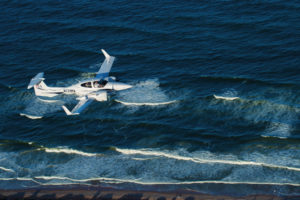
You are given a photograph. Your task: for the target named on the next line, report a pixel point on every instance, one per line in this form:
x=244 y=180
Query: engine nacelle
x=111 y=78
x=81 y=98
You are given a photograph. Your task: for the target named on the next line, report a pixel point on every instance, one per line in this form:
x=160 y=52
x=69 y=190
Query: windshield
x=99 y=84
x=87 y=84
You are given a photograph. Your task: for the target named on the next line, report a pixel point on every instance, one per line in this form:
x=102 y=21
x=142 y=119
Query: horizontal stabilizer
x=36 y=80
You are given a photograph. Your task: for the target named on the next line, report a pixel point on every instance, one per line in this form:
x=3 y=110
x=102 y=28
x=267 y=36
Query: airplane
x=87 y=90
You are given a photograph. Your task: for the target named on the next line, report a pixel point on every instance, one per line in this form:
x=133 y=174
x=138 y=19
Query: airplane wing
x=85 y=101
x=106 y=65
x=82 y=104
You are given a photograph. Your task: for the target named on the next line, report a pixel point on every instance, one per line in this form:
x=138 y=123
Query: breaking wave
x=151 y=165
x=66 y=151
x=147 y=166
x=229 y=95
x=144 y=93
x=145 y=103
x=31 y=116
x=36 y=108
x=6 y=170
x=226 y=98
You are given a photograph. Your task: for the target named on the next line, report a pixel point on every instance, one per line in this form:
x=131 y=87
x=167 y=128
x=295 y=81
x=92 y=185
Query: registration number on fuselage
x=69 y=91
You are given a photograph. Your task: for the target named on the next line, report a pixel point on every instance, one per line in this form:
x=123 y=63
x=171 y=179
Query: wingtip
x=67 y=110
x=105 y=54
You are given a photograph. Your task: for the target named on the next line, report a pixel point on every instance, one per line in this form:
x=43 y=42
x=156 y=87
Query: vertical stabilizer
x=36 y=80
x=40 y=88
x=42 y=85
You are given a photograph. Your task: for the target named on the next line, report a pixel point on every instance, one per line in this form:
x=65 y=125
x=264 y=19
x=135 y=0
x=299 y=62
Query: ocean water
x=215 y=104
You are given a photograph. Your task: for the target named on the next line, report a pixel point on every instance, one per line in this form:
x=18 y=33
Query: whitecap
x=67 y=151
x=31 y=116
x=144 y=93
x=144 y=103
x=225 y=98
x=229 y=95
x=196 y=159
x=6 y=170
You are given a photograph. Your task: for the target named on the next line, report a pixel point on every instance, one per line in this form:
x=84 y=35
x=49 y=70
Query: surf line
x=145 y=103
x=226 y=98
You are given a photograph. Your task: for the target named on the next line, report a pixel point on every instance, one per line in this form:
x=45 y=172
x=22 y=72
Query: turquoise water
x=215 y=102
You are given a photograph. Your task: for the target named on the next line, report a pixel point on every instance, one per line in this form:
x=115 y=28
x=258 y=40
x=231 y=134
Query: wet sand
x=98 y=192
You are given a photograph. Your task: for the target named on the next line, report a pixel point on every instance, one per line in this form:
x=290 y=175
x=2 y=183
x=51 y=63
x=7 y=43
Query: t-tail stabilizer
x=36 y=80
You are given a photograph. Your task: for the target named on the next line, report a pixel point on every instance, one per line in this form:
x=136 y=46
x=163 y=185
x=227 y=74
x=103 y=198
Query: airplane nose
x=121 y=86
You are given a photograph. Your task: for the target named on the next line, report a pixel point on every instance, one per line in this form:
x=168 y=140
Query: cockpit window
x=99 y=84
x=87 y=84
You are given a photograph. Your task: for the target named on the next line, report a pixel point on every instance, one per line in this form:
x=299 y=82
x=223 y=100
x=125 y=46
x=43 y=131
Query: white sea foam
x=229 y=95
x=67 y=151
x=137 y=181
x=281 y=117
x=6 y=170
x=18 y=178
x=145 y=103
x=31 y=116
x=144 y=93
x=226 y=98
x=51 y=166
x=55 y=177
x=170 y=167
x=200 y=160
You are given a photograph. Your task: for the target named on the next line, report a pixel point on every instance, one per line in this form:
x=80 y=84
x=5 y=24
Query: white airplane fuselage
x=82 y=88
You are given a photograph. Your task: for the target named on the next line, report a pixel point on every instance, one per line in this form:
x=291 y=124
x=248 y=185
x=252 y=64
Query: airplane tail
x=42 y=85
x=40 y=88
x=36 y=80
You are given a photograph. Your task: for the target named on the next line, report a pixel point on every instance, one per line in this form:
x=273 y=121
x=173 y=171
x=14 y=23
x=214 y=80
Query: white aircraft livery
x=87 y=90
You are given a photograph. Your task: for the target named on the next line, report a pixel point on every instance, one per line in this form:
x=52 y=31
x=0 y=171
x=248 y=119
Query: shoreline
x=78 y=191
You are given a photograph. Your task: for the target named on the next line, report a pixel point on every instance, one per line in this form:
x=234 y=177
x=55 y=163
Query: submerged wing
x=82 y=104
x=106 y=65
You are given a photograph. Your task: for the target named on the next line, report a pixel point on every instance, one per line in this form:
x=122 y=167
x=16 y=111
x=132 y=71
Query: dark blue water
x=183 y=52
